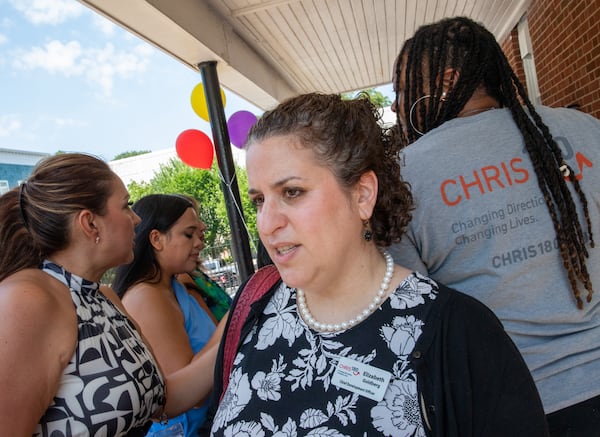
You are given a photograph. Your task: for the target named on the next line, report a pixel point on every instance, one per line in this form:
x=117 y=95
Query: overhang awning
x=268 y=50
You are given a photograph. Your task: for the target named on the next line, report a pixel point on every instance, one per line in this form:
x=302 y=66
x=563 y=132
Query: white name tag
x=367 y=381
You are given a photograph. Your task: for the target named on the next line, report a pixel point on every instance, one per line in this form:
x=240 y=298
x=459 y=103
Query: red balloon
x=195 y=148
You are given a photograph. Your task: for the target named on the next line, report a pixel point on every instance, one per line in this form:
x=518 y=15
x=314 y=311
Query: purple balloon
x=239 y=125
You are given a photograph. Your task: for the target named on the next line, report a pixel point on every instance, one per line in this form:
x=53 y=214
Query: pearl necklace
x=373 y=305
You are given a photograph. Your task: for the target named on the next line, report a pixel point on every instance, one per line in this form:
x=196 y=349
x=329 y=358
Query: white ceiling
x=267 y=50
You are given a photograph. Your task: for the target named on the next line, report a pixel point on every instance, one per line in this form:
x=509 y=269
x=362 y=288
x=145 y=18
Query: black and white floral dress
x=281 y=383
x=112 y=384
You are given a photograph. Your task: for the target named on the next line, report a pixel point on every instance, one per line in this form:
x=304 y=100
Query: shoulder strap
x=256 y=287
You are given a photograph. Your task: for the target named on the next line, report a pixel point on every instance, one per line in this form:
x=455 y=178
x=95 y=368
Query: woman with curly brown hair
x=347 y=342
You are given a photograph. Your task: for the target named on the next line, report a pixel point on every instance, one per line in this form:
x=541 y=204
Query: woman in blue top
x=176 y=322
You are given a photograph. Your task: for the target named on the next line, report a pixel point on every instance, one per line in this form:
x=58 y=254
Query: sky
x=71 y=80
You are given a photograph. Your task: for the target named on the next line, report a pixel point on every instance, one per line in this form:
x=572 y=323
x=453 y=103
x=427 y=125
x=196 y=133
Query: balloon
x=239 y=125
x=198 y=101
x=195 y=148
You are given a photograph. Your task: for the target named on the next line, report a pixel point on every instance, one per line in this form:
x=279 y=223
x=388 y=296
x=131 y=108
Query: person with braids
x=72 y=362
x=507 y=206
x=342 y=341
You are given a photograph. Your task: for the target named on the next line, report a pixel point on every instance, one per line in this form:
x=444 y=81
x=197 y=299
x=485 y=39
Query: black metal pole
x=218 y=123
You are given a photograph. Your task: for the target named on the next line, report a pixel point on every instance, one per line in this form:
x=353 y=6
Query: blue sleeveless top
x=200 y=328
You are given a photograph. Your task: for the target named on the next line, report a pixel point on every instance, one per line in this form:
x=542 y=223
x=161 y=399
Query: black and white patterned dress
x=281 y=383
x=112 y=383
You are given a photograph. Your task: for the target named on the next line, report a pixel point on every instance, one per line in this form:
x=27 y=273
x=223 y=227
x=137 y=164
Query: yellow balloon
x=198 y=101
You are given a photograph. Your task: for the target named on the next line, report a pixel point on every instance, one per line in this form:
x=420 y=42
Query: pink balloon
x=195 y=148
x=239 y=125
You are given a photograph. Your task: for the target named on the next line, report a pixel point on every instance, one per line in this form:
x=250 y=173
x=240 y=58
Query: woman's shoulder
x=453 y=304
x=37 y=307
x=151 y=301
x=112 y=295
x=34 y=289
x=464 y=320
x=468 y=312
x=144 y=291
x=568 y=121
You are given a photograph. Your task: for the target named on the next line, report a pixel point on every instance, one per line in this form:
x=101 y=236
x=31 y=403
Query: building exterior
x=555 y=51
x=141 y=168
x=16 y=166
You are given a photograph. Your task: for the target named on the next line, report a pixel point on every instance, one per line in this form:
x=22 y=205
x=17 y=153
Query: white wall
x=20 y=157
x=141 y=168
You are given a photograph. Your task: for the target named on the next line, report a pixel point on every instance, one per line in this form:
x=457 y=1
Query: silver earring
x=97 y=239
x=368 y=232
x=410 y=114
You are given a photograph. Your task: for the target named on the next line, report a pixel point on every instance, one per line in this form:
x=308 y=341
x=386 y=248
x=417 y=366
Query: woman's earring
x=97 y=239
x=368 y=232
x=410 y=114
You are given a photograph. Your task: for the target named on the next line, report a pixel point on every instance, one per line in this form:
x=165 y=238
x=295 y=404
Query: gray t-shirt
x=481 y=226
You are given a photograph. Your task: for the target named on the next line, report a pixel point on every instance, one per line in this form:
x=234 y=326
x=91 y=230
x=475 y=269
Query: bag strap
x=256 y=287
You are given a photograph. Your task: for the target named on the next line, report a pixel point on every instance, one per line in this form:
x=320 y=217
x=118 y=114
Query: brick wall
x=510 y=47
x=565 y=36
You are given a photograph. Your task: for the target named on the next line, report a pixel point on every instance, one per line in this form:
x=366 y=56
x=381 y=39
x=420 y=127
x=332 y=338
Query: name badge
x=360 y=378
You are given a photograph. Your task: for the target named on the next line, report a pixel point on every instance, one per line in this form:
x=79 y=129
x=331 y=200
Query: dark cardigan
x=472 y=381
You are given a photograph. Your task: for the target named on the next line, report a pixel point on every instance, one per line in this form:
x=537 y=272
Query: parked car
x=223 y=274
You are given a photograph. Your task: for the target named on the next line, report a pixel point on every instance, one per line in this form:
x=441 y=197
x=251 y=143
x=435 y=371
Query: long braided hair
x=466 y=47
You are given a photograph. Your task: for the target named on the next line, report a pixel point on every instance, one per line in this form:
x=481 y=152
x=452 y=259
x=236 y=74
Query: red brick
x=566 y=49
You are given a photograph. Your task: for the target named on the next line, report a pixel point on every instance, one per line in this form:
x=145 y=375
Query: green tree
x=375 y=96
x=205 y=186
